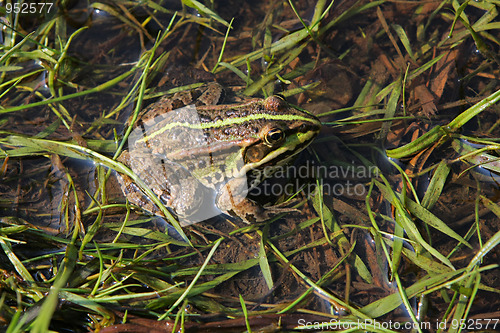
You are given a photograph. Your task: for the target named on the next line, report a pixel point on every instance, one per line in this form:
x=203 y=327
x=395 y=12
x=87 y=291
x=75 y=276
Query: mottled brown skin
x=199 y=159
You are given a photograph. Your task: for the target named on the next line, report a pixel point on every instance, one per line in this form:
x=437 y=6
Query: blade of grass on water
x=18 y=265
x=99 y=88
x=436 y=185
x=205 y=10
x=404 y=39
x=408 y=224
x=432 y=220
x=195 y=279
x=42 y=322
x=75 y=151
x=389 y=303
x=263 y=262
x=245 y=313
x=438 y=132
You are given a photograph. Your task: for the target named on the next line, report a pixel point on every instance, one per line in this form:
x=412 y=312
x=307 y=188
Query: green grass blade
x=245 y=313
x=99 y=88
x=263 y=262
x=193 y=283
x=205 y=10
x=432 y=220
x=474 y=110
x=404 y=39
x=436 y=185
x=389 y=303
x=75 y=151
x=408 y=224
x=42 y=322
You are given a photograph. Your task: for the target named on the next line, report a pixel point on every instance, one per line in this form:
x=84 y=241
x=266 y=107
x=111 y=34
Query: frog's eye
x=274 y=136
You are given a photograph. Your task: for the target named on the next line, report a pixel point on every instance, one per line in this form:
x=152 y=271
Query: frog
x=201 y=158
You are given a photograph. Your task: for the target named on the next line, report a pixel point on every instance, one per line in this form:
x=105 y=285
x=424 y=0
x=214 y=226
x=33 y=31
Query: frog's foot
x=251 y=212
x=287 y=205
x=232 y=200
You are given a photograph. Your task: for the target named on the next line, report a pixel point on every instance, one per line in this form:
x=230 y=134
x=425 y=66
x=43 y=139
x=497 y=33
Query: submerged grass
x=385 y=255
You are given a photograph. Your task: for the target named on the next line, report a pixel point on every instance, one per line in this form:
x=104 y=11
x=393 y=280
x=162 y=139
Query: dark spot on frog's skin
x=202 y=164
x=165 y=198
x=250 y=218
x=218 y=176
x=236 y=113
x=303 y=128
x=191 y=167
x=222 y=97
x=247 y=218
x=177 y=104
x=205 y=119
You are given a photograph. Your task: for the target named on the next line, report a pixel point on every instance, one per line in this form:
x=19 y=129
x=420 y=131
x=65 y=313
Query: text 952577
x=28 y=8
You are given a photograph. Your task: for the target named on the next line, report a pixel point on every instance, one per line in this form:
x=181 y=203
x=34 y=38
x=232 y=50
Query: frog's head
x=228 y=141
x=281 y=132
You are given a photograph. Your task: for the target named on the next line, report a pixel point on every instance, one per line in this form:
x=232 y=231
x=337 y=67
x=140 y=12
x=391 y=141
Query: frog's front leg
x=232 y=200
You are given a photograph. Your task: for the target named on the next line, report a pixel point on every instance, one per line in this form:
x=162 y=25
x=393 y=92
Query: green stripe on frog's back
x=231 y=121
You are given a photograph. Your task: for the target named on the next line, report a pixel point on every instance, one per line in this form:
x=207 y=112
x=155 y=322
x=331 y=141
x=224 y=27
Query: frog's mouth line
x=294 y=145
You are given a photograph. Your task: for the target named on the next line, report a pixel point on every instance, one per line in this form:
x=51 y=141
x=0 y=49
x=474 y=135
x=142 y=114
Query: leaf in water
x=436 y=185
x=264 y=264
x=404 y=39
x=150 y=234
x=205 y=10
x=10 y=68
x=76 y=151
x=408 y=224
